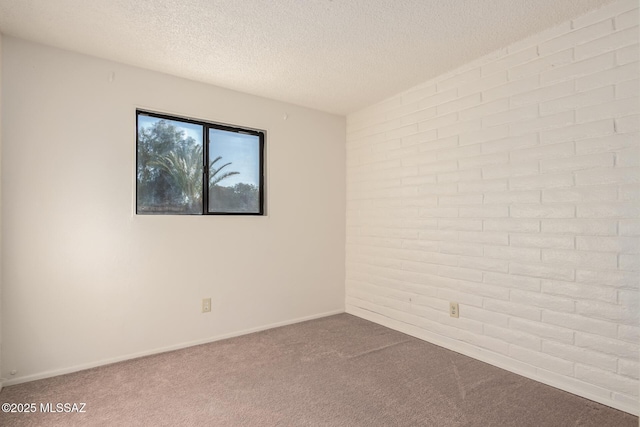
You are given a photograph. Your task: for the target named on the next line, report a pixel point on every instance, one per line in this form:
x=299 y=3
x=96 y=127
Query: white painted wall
x=510 y=185
x=85 y=281
x=1 y=377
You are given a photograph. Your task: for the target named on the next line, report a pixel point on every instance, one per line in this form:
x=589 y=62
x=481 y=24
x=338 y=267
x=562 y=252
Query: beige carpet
x=336 y=371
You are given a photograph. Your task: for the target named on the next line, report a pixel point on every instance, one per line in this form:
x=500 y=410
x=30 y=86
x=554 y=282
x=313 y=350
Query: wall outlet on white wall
x=206 y=305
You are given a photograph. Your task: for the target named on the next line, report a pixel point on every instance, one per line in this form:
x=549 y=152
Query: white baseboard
x=571 y=385
x=84 y=366
x=563 y=383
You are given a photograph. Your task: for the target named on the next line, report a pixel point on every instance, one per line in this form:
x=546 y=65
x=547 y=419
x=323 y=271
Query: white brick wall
x=511 y=186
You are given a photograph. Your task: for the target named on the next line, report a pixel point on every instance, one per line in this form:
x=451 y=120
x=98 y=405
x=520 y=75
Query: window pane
x=234 y=172
x=169 y=169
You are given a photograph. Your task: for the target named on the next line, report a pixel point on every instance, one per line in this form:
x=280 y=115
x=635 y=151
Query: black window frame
x=206 y=125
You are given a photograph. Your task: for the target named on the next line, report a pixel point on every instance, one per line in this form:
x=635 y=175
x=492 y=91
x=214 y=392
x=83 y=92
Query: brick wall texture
x=510 y=186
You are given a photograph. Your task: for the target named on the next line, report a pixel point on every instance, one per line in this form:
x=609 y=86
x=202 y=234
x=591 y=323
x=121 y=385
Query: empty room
x=319 y=213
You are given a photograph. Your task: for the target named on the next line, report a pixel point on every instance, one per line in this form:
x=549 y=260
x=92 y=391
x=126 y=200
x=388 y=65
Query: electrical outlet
x=453 y=309
x=206 y=305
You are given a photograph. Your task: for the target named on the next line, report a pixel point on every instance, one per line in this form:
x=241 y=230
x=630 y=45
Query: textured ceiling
x=332 y=55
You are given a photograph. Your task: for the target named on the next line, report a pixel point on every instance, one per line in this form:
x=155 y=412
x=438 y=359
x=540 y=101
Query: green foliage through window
x=194 y=168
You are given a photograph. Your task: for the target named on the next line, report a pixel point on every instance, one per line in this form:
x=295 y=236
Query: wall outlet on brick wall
x=453 y=309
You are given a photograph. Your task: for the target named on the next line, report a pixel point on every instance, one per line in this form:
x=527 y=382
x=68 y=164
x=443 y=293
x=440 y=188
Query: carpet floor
x=335 y=371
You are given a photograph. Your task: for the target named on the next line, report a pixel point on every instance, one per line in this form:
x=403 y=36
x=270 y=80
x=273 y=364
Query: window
x=189 y=167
